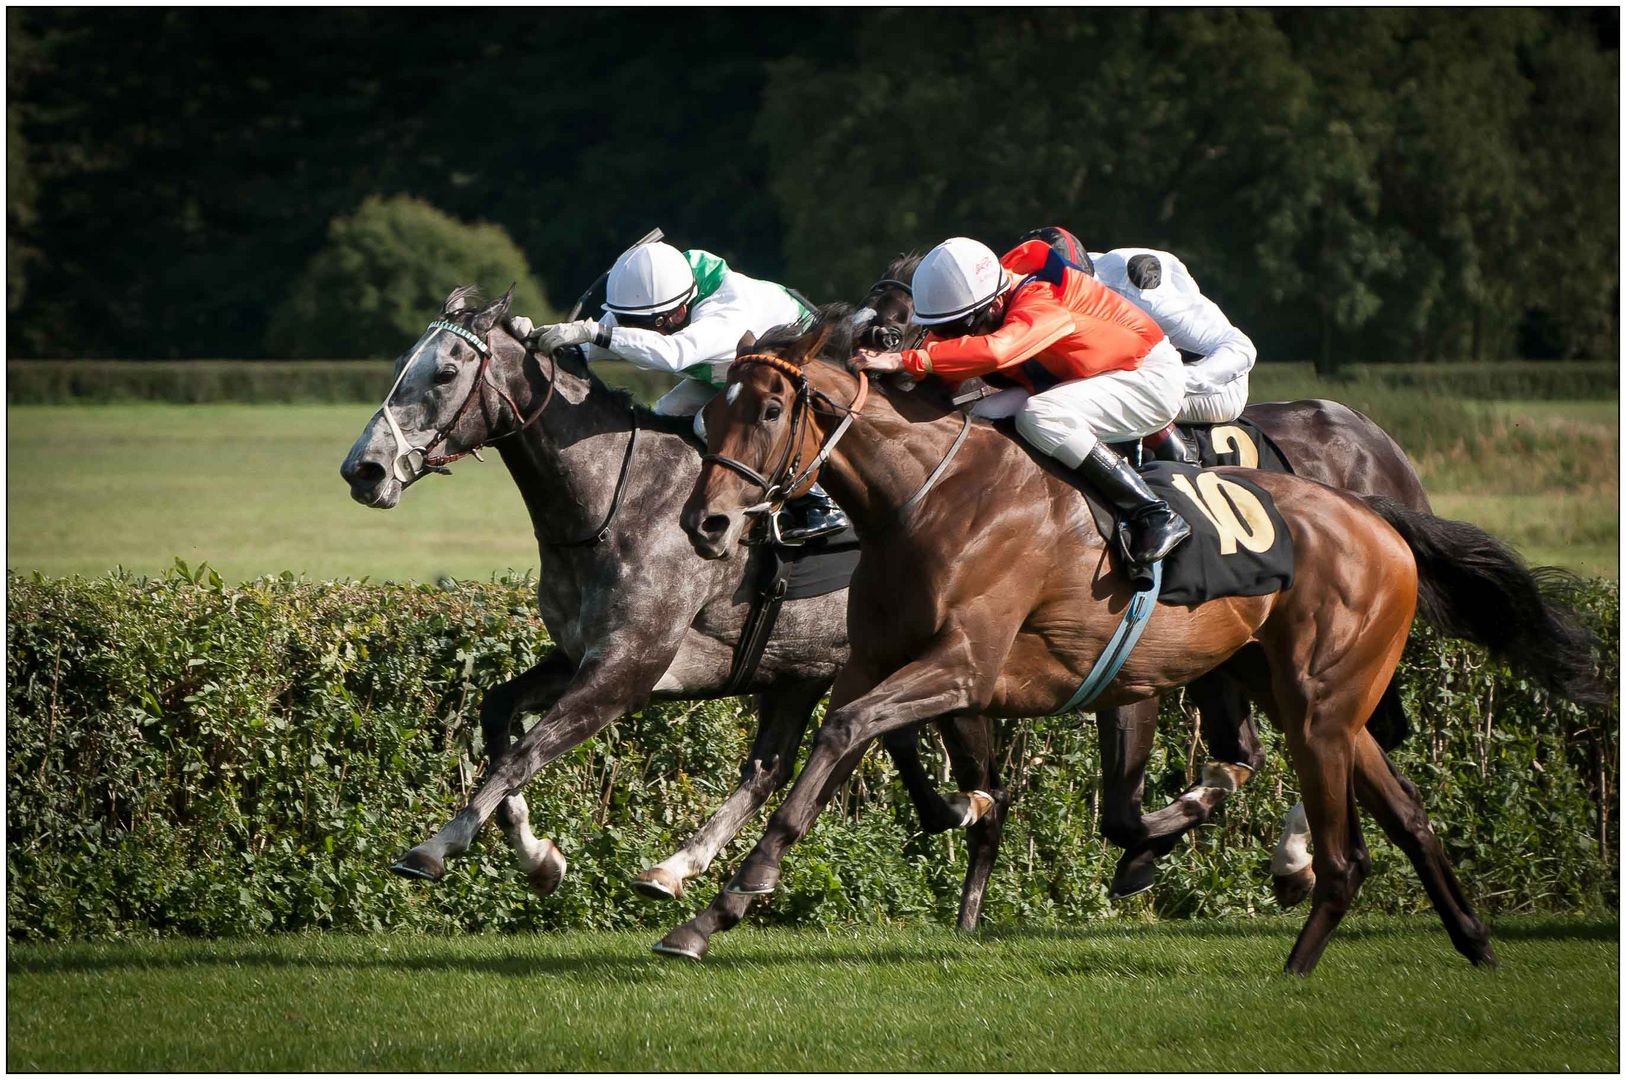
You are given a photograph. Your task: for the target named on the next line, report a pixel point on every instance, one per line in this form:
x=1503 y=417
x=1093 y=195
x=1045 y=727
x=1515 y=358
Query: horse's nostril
x=714 y=524
x=365 y=472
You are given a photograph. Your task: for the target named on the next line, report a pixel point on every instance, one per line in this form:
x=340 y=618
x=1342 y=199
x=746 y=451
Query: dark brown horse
x=1322 y=440
x=993 y=593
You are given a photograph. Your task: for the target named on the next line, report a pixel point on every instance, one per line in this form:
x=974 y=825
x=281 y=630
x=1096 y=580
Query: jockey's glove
x=560 y=335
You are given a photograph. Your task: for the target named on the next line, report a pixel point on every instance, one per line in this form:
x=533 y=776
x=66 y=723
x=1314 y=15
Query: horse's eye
x=445 y=374
x=773 y=410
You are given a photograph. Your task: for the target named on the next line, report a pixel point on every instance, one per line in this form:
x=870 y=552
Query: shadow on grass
x=633 y=965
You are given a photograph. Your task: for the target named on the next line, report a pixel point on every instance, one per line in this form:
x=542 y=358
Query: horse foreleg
x=604 y=687
x=940 y=683
x=1233 y=755
x=1126 y=735
x=540 y=859
x=783 y=716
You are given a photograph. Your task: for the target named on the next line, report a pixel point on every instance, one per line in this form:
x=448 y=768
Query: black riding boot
x=1170 y=444
x=808 y=516
x=1154 y=528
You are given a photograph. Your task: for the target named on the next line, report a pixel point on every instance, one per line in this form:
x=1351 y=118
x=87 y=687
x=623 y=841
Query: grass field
x=254 y=489
x=1390 y=995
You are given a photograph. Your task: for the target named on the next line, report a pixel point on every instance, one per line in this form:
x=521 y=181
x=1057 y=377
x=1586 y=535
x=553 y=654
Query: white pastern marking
x=1293 y=850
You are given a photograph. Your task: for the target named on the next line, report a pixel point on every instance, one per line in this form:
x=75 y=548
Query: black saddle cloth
x=1239 y=442
x=1239 y=544
x=822 y=565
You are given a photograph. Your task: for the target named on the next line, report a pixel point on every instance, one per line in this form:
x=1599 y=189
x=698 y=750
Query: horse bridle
x=425 y=460
x=888 y=338
x=785 y=478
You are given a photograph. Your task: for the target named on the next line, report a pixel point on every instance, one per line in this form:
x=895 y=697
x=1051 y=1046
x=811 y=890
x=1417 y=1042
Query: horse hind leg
x=783 y=714
x=1398 y=809
x=1319 y=733
x=972 y=755
x=938 y=813
x=1326 y=775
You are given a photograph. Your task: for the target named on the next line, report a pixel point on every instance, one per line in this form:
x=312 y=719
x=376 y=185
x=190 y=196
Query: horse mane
x=837 y=351
x=837 y=318
x=903 y=267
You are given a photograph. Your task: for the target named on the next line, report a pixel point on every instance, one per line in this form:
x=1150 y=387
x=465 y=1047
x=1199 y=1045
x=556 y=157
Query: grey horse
x=635 y=615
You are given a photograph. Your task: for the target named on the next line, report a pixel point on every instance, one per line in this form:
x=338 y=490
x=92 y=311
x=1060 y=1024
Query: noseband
x=419 y=460
x=886 y=337
x=786 y=478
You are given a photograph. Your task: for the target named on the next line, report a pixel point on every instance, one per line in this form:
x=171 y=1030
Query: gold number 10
x=1221 y=501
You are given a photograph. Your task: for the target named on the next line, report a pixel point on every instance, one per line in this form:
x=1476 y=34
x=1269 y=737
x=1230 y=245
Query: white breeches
x=1067 y=421
x=1220 y=407
x=686 y=398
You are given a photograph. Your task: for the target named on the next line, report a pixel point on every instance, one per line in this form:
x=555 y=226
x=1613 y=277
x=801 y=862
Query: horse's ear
x=747 y=341
x=494 y=312
x=459 y=300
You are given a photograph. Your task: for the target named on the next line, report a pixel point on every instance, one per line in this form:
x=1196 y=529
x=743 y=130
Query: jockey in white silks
x=1159 y=284
x=684 y=313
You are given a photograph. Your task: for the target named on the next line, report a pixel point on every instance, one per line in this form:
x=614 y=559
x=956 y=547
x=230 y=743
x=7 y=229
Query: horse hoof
x=1291 y=889
x=753 y=882
x=978 y=803
x=1136 y=872
x=683 y=942
x=1484 y=956
x=420 y=865
x=658 y=883
x=546 y=875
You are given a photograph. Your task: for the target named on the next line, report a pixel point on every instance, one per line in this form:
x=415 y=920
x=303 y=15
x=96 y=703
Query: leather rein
x=776 y=487
x=426 y=460
x=787 y=476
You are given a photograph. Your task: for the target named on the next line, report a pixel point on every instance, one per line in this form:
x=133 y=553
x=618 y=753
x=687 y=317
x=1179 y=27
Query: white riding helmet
x=648 y=280
x=956 y=278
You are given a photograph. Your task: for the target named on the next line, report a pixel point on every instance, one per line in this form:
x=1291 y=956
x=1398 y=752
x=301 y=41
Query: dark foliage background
x=188 y=757
x=1348 y=183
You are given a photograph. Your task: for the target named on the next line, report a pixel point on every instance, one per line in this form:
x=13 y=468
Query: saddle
x=781 y=572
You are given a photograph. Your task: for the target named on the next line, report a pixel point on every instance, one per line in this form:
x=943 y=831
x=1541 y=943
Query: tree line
x=1349 y=184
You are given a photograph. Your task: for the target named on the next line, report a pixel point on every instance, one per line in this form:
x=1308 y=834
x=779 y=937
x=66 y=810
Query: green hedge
x=58 y=382
x=186 y=757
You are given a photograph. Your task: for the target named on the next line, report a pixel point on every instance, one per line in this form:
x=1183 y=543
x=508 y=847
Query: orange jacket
x=1072 y=331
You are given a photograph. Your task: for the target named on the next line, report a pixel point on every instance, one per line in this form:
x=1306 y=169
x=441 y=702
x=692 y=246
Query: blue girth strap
x=1122 y=644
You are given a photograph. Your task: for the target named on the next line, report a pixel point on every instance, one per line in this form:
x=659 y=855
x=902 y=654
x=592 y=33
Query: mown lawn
x=254 y=489
x=1390 y=995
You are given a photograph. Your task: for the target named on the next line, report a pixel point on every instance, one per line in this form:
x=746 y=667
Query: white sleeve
x=1195 y=324
x=707 y=339
x=710 y=337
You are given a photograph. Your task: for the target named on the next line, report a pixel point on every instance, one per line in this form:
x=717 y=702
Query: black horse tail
x=1472 y=586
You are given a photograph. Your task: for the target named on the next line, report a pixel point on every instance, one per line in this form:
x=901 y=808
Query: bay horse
x=634 y=614
x=1320 y=439
x=995 y=595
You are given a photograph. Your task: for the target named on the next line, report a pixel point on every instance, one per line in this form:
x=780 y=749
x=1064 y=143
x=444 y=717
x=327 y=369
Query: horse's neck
x=567 y=463
x=884 y=459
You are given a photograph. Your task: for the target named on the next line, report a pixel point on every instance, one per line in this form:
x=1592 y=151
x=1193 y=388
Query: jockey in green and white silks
x=684 y=313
